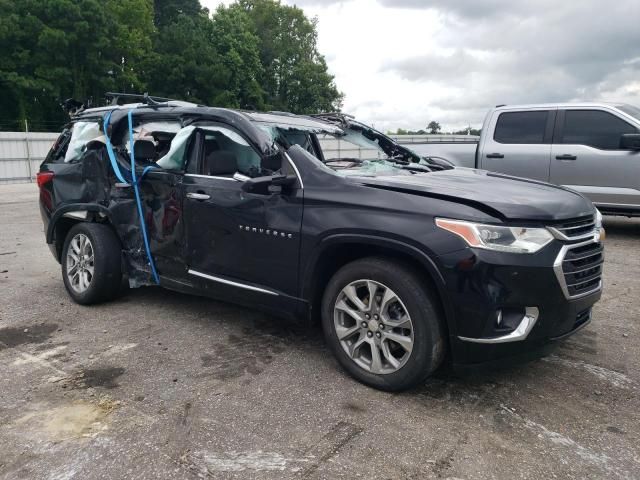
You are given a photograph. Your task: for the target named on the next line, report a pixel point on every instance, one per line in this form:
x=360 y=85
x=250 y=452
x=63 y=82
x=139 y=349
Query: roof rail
x=332 y=114
x=336 y=117
x=501 y=105
x=145 y=98
x=284 y=114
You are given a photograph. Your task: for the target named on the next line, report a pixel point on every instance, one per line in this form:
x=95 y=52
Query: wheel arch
x=69 y=215
x=338 y=250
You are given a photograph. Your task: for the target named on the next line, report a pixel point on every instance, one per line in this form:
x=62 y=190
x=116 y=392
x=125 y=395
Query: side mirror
x=270 y=184
x=630 y=141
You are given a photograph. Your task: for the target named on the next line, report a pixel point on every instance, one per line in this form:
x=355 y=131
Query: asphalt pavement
x=159 y=385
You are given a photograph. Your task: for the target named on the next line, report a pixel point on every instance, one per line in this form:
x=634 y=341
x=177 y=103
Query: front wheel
x=383 y=324
x=91 y=263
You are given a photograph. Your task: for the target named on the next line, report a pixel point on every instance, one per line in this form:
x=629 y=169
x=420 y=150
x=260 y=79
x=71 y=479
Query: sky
x=404 y=63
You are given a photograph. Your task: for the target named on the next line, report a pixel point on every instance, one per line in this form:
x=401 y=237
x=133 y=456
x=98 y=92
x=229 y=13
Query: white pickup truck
x=593 y=148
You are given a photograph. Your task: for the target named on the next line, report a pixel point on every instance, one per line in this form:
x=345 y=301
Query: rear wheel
x=383 y=324
x=91 y=263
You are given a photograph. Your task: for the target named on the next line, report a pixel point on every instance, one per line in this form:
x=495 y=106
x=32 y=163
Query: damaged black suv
x=405 y=260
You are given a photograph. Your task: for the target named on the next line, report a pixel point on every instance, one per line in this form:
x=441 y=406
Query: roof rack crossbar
x=344 y=119
x=331 y=114
x=145 y=97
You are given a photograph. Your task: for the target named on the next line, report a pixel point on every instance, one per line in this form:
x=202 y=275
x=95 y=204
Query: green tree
x=55 y=49
x=295 y=75
x=167 y=11
x=238 y=49
x=210 y=61
x=434 y=127
x=183 y=64
x=254 y=53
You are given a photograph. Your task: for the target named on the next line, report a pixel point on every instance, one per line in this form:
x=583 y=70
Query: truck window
x=521 y=127
x=594 y=128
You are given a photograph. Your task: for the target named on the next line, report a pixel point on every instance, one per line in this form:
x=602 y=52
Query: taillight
x=43 y=178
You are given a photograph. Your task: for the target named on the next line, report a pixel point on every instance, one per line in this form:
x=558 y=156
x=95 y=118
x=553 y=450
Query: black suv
x=405 y=260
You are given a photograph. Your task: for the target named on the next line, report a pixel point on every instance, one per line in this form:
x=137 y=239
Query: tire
x=400 y=291
x=97 y=281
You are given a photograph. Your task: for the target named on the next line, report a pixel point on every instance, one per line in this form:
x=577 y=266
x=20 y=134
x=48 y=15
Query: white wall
x=22 y=153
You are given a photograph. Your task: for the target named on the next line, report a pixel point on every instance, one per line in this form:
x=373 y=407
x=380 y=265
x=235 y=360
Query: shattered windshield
x=345 y=152
x=352 y=154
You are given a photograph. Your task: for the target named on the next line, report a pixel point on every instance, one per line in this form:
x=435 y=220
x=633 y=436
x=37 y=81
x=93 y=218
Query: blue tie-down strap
x=112 y=157
x=135 y=182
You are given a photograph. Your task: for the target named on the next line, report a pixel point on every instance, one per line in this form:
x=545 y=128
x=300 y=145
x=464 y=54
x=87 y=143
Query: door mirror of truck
x=630 y=141
x=272 y=184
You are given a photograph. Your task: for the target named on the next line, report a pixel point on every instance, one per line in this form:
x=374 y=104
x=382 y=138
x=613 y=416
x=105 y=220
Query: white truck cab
x=593 y=148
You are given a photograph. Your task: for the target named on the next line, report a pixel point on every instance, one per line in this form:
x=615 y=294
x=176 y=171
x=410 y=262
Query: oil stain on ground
x=11 y=337
x=242 y=355
x=97 y=377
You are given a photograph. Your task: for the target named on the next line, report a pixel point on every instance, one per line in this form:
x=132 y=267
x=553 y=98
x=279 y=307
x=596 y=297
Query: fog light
x=499 y=318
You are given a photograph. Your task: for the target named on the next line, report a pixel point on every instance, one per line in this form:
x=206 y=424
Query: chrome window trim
x=232 y=283
x=296 y=169
x=293 y=165
x=197 y=175
x=557 y=268
x=521 y=332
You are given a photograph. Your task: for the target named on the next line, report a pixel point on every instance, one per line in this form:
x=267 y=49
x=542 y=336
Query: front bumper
x=505 y=306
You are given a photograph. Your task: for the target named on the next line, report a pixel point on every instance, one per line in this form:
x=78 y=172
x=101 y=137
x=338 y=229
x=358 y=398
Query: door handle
x=495 y=155
x=198 y=196
x=566 y=157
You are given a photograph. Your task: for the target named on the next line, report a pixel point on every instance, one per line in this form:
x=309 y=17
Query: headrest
x=272 y=162
x=144 y=150
x=221 y=162
x=210 y=145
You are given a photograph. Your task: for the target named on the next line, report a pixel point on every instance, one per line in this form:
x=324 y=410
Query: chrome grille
x=575 y=229
x=579 y=268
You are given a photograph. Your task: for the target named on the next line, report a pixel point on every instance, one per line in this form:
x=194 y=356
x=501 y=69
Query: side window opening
x=82 y=133
x=226 y=153
x=521 y=127
x=59 y=148
x=152 y=142
x=176 y=156
x=594 y=128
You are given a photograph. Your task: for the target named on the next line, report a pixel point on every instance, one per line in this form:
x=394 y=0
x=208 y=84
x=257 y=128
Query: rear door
x=586 y=157
x=519 y=143
x=239 y=244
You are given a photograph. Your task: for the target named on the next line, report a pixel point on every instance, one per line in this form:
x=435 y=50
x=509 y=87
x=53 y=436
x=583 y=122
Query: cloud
x=503 y=51
x=402 y=63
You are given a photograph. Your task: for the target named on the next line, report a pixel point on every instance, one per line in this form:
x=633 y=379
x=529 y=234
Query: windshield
x=352 y=154
x=630 y=110
x=345 y=152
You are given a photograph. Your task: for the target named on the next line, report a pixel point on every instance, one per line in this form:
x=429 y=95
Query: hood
x=510 y=198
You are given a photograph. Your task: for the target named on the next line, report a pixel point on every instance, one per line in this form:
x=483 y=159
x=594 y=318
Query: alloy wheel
x=80 y=263
x=373 y=326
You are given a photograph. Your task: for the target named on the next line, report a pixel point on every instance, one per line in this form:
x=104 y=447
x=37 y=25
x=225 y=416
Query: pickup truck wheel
x=382 y=324
x=91 y=263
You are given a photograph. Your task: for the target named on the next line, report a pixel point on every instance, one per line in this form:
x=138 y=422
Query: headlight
x=502 y=239
x=598 y=219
